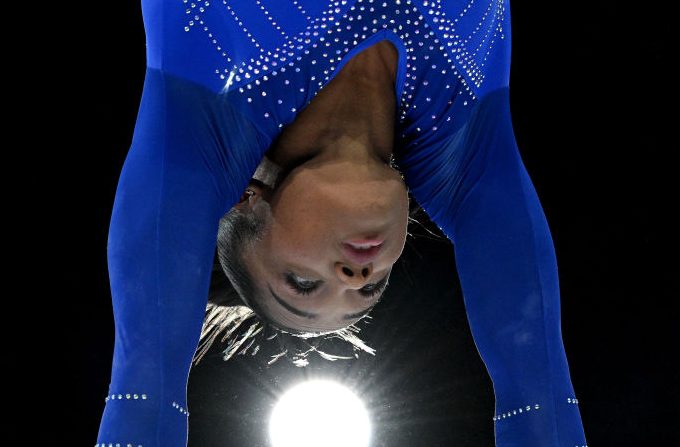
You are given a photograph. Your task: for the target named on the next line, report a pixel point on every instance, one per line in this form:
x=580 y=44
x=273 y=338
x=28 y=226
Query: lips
x=363 y=252
x=364 y=243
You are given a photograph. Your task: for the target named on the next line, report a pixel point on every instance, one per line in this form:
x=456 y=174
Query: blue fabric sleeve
x=476 y=189
x=184 y=170
x=192 y=156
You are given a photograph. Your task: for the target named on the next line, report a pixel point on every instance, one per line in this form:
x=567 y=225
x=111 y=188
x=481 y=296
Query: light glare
x=319 y=413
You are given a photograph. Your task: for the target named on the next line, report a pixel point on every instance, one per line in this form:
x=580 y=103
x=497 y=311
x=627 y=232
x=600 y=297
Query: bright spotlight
x=319 y=413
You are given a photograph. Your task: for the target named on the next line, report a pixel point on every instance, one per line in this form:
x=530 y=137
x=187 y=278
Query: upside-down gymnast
x=297 y=130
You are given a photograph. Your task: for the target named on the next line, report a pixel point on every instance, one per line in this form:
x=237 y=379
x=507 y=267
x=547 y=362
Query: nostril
x=347 y=271
x=364 y=272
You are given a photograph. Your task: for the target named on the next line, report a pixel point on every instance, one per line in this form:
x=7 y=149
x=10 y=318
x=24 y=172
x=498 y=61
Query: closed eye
x=309 y=287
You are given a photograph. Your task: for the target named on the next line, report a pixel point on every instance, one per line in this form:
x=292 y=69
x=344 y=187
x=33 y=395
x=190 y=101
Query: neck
x=352 y=117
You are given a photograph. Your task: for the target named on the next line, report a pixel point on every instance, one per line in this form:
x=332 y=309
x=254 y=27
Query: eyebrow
x=313 y=316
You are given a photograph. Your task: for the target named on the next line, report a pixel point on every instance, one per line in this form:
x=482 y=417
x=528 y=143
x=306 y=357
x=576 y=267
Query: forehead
x=285 y=313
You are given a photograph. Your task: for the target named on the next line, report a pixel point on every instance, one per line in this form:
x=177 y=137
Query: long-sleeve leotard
x=222 y=80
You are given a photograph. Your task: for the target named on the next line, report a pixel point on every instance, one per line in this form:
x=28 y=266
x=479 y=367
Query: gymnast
x=280 y=144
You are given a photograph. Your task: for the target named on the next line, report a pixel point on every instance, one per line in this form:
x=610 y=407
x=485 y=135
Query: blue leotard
x=223 y=79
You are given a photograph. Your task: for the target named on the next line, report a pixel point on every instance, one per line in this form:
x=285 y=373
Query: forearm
x=476 y=188
x=160 y=247
x=508 y=271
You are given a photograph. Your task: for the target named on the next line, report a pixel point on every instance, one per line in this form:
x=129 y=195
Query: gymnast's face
x=316 y=208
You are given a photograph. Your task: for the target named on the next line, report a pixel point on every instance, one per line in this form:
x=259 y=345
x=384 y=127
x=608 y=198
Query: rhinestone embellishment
x=126 y=396
x=519 y=410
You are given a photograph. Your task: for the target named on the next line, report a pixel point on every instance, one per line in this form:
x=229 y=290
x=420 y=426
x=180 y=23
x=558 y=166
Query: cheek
x=300 y=223
x=298 y=240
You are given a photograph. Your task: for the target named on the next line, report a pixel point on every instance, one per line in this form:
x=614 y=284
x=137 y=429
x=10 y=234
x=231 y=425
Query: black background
x=594 y=113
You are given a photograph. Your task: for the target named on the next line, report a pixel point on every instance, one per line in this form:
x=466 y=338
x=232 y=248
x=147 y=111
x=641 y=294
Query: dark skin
x=339 y=187
x=358 y=103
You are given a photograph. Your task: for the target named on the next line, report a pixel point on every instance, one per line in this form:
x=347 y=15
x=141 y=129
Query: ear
x=250 y=196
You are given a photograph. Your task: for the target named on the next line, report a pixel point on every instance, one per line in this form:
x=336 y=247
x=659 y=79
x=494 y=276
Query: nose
x=354 y=275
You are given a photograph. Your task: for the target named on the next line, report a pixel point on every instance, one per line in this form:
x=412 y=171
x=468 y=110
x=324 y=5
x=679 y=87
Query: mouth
x=364 y=244
x=361 y=253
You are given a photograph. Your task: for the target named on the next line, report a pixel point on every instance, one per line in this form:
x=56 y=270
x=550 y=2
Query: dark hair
x=231 y=304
